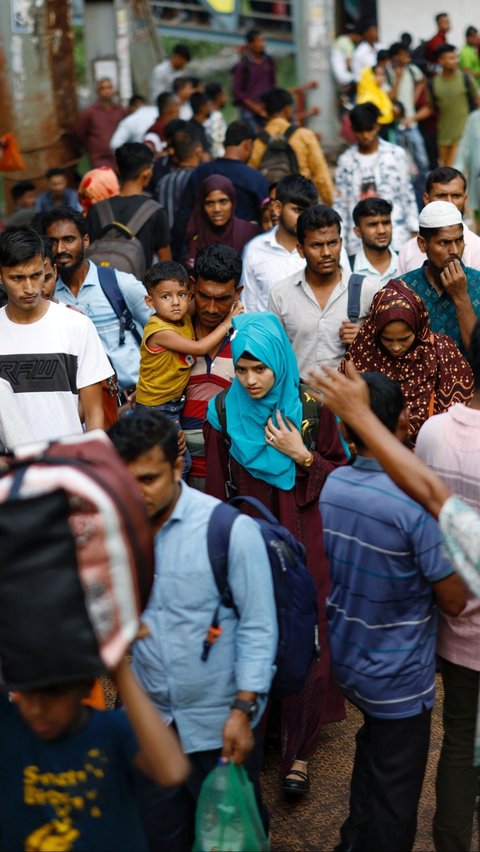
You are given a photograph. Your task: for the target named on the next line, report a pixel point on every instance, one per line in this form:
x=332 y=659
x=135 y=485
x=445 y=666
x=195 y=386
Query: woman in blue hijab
x=254 y=447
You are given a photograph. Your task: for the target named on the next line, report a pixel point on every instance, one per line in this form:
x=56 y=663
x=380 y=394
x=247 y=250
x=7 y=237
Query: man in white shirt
x=51 y=357
x=313 y=305
x=272 y=256
x=443 y=184
x=163 y=75
x=365 y=54
x=373 y=225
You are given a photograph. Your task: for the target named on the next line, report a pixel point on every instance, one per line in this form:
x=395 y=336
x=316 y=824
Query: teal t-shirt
x=74 y=793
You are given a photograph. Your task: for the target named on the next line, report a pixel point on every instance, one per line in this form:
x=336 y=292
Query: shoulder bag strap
x=354 y=294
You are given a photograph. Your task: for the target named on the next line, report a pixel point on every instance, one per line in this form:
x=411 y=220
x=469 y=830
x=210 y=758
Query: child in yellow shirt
x=168 y=349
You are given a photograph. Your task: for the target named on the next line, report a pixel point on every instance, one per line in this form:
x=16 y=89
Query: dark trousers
x=168 y=815
x=386 y=783
x=457 y=777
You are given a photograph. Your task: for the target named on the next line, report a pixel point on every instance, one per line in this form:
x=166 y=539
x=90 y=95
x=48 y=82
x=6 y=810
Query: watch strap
x=248 y=707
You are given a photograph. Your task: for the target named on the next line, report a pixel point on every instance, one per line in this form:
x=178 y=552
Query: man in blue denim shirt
x=78 y=285
x=214 y=704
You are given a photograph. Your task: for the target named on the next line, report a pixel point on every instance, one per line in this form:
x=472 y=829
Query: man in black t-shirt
x=135 y=166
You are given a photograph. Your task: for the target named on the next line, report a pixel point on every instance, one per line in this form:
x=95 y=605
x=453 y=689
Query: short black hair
x=252 y=34
x=167 y=270
x=184 y=144
x=275 y=100
x=444 y=48
x=396 y=48
x=213 y=90
x=176 y=125
x=371 y=207
x=163 y=99
x=386 y=402
x=315 y=217
x=136 y=434
x=64 y=214
x=55 y=171
x=135 y=99
x=382 y=55
x=183 y=51
x=470 y=31
x=219 y=264
x=440 y=15
x=444 y=174
x=48 y=250
x=132 y=158
x=237 y=132
x=474 y=354
x=198 y=101
x=21 y=188
x=364 y=116
x=180 y=82
x=296 y=189
x=19 y=245
x=428 y=233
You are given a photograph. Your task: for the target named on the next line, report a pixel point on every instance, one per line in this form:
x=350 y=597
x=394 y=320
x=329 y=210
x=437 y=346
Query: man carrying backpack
x=281 y=149
x=114 y=300
x=139 y=221
x=214 y=704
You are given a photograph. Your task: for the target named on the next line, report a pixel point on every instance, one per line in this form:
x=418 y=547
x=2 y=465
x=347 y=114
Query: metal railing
x=194 y=19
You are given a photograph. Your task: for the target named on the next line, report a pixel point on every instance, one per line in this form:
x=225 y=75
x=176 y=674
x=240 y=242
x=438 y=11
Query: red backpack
x=77 y=561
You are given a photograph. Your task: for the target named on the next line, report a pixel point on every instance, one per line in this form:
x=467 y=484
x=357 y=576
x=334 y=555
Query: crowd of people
x=188 y=296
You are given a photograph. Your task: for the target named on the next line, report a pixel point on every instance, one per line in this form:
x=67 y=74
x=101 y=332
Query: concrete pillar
x=37 y=85
x=314 y=31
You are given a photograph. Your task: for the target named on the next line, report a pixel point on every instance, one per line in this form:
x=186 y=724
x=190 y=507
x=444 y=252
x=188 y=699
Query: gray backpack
x=118 y=245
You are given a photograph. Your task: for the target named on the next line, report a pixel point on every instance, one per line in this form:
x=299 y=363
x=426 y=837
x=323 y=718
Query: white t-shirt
x=46 y=363
x=368 y=164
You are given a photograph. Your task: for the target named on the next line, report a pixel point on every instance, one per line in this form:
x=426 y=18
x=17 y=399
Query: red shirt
x=431 y=46
x=95 y=127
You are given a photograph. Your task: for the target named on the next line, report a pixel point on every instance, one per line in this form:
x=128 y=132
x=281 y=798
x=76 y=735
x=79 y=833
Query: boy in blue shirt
x=66 y=770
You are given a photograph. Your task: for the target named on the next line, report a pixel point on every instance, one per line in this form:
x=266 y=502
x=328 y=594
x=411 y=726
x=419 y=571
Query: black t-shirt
x=153 y=236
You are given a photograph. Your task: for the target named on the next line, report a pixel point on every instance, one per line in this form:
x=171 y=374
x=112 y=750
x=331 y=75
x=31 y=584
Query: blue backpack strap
x=109 y=284
x=218 y=541
x=354 y=293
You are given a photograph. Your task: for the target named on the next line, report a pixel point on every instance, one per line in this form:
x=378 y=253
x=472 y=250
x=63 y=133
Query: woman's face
x=218 y=208
x=255 y=377
x=397 y=338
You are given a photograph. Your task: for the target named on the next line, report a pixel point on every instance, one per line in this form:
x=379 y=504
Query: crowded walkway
x=240 y=464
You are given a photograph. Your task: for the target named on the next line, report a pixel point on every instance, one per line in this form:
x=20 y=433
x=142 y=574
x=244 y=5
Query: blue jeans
x=411 y=140
x=173 y=410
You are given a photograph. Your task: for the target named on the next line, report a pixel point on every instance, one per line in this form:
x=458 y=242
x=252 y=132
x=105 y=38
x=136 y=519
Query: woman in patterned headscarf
x=396 y=340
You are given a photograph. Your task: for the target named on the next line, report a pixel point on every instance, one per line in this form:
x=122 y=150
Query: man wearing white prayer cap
x=450 y=290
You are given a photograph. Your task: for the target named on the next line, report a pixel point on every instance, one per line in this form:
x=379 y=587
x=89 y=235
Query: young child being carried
x=168 y=349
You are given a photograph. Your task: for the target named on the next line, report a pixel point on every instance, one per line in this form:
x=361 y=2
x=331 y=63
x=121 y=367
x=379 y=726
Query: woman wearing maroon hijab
x=213 y=220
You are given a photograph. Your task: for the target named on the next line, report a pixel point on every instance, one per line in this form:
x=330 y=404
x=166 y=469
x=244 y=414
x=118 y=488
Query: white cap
x=439 y=214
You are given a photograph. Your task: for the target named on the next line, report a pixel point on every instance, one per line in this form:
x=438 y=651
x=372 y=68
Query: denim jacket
x=198 y=695
x=95 y=305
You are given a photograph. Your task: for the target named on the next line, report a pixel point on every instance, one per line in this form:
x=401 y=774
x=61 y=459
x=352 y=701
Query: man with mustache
x=450 y=290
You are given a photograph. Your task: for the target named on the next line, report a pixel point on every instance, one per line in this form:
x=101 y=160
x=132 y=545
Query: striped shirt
x=449 y=443
x=169 y=191
x=208 y=377
x=384 y=552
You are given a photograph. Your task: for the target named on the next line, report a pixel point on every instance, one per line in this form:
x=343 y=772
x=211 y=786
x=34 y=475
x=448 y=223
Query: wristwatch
x=248 y=707
x=308 y=461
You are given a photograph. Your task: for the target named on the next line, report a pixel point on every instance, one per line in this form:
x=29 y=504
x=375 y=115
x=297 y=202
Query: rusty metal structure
x=37 y=84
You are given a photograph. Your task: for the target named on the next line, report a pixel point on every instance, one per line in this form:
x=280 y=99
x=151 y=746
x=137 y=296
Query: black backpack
x=279 y=158
x=118 y=245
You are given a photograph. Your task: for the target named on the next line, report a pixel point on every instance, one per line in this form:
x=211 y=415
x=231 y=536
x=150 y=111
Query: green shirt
x=470 y=60
x=441 y=309
x=450 y=98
